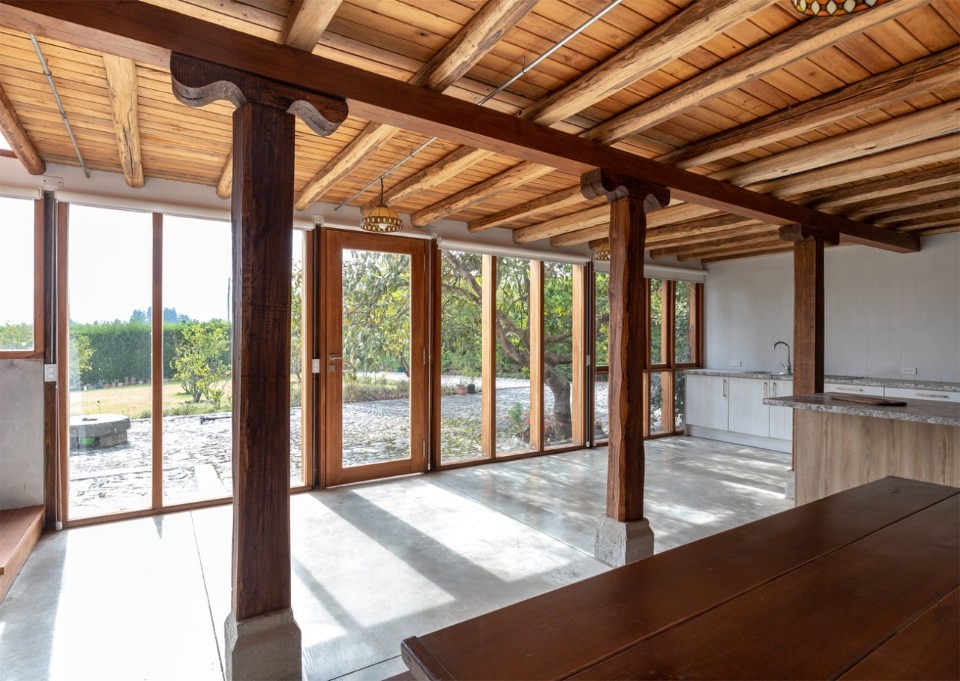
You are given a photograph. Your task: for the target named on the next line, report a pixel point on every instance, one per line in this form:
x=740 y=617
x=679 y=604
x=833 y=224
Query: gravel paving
x=197 y=449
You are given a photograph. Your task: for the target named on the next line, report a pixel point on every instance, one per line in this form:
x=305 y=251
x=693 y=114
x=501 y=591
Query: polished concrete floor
x=372 y=563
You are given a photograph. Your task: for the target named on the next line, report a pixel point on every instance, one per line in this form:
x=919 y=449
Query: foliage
x=367 y=388
x=170 y=316
x=81 y=353
x=376 y=312
x=201 y=365
x=296 y=334
x=118 y=351
x=16 y=337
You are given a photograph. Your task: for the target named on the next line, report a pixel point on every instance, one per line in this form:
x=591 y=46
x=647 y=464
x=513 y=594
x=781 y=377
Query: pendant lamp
x=381 y=218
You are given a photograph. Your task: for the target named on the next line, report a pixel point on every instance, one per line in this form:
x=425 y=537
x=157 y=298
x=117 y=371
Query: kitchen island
x=839 y=444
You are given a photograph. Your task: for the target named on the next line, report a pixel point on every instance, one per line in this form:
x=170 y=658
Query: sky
x=110 y=264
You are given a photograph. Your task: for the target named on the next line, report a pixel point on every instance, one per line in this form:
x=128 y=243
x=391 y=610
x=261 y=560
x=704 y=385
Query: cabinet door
x=748 y=413
x=706 y=401
x=922 y=394
x=853 y=389
x=781 y=418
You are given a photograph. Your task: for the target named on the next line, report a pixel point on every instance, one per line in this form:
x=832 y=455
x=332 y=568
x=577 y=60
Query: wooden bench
x=851 y=584
x=20 y=530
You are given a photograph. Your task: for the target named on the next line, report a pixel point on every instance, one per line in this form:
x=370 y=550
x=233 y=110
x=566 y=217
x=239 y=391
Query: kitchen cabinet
x=781 y=419
x=853 y=389
x=921 y=394
x=706 y=402
x=748 y=414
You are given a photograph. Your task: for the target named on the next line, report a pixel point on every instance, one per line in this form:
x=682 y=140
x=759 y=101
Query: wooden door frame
x=330 y=430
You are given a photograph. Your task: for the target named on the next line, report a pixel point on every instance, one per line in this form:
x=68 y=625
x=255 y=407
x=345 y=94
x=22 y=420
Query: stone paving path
x=197 y=449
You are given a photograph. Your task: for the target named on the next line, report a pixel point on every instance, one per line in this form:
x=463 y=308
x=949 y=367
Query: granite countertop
x=919 y=411
x=908 y=383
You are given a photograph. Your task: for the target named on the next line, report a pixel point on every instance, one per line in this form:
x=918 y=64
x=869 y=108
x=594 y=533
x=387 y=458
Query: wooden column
x=262 y=214
x=808 y=361
x=629 y=200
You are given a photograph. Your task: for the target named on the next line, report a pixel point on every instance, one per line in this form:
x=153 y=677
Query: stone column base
x=265 y=647
x=790 y=490
x=621 y=543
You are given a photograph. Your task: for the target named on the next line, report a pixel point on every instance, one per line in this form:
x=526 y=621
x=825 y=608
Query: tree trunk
x=560 y=387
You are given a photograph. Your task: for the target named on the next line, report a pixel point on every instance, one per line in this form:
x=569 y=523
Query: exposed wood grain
x=122 y=85
x=659 y=218
x=629 y=201
x=893 y=134
x=906 y=158
x=488 y=349
x=156 y=360
x=17 y=137
x=853 y=199
x=857 y=98
x=534 y=638
x=808 y=316
x=567 y=223
x=767 y=57
x=536 y=355
x=920 y=209
x=841 y=606
x=307 y=21
x=556 y=201
x=397 y=104
x=686 y=30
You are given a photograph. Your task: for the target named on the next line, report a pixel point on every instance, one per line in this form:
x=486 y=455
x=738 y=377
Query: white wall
x=883 y=311
x=21 y=433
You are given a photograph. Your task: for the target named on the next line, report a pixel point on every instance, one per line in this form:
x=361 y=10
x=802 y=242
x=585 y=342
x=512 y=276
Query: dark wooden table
x=860 y=585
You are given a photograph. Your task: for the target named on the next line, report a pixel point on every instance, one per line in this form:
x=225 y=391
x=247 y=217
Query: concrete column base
x=265 y=647
x=790 y=490
x=621 y=543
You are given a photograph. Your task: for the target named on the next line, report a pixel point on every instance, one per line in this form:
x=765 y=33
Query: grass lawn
x=130 y=400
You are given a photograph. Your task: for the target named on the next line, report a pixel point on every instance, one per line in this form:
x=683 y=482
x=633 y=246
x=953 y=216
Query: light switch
x=315 y=366
x=49 y=373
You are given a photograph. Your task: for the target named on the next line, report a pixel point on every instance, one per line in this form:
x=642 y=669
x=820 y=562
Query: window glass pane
x=197 y=397
x=376 y=357
x=109 y=288
x=657 y=346
x=299 y=364
x=557 y=353
x=679 y=401
x=602 y=317
x=460 y=356
x=17 y=278
x=660 y=382
x=683 y=301
x=513 y=354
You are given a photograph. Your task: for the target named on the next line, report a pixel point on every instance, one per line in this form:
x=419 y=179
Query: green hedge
x=120 y=351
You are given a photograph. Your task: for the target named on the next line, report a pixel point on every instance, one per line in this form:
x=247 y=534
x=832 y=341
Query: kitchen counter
x=918 y=411
x=905 y=382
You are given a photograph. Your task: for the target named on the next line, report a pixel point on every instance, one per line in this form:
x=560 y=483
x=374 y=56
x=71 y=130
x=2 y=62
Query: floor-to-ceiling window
x=20 y=266
x=512 y=355
x=674 y=309
x=146 y=307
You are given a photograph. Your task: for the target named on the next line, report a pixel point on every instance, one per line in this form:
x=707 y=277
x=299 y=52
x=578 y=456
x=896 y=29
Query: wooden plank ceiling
x=855 y=116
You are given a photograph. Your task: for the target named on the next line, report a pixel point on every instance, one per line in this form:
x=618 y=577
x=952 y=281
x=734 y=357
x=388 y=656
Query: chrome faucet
x=788 y=367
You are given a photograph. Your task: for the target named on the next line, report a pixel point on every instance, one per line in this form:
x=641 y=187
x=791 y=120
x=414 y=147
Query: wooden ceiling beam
x=777 y=250
x=915 y=224
x=771 y=55
x=153 y=32
x=307 y=21
x=892 y=134
x=458 y=56
x=853 y=198
x=566 y=223
x=17 y=137
x=668 y=41
x=769 y=245
x=904 y=200
x=683 y=32
x=939 y=150
x=572 y=196
x=920 y=210
x=122 y=88
x=694 y=250
x=660 y=218
x=910 y=80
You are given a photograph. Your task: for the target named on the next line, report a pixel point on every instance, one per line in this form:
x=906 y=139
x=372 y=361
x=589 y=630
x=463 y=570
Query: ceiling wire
x=56 y=96
x=520 y=74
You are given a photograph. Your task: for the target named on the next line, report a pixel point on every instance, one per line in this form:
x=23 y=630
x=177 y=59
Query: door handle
x=335 y=357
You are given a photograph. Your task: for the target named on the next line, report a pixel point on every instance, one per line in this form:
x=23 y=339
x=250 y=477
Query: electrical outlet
x=908 y=371
x=736 y=363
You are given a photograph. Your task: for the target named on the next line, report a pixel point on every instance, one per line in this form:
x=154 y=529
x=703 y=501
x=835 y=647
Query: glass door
x=374 y=358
